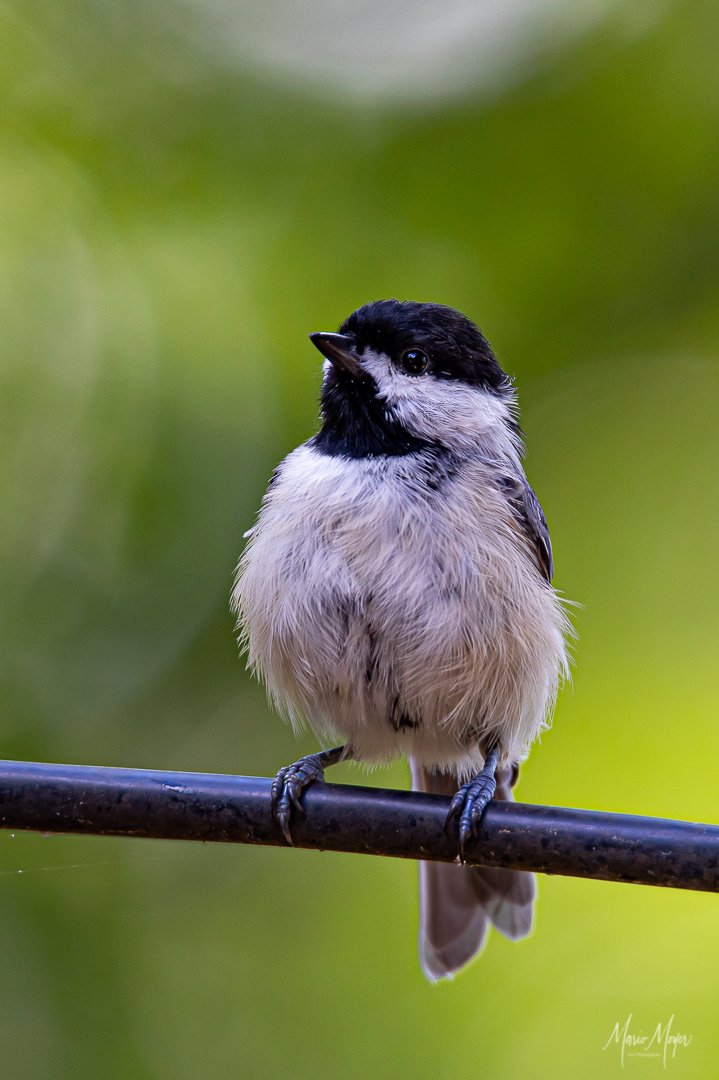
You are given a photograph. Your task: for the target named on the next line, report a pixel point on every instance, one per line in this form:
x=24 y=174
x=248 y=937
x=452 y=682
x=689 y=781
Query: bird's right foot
x=291 y=781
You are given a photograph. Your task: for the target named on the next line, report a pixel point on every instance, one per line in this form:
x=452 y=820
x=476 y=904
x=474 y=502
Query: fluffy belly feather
x=396 y=622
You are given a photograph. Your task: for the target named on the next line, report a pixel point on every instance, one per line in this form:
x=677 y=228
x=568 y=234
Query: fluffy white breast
x=393 y=602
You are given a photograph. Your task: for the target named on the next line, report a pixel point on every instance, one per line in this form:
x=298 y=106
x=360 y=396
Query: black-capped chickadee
x=395 y=592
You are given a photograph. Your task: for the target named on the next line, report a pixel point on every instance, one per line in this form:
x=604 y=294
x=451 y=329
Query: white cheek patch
x=434 y=408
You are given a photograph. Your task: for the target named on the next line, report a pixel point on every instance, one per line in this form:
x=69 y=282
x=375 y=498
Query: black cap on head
x=426 y=342
x=456 y=348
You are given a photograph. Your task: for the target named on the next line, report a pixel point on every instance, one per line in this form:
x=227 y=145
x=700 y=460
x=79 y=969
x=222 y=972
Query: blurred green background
x=186 y=190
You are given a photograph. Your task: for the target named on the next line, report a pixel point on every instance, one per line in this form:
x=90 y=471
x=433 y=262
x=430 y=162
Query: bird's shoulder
x=528 y=515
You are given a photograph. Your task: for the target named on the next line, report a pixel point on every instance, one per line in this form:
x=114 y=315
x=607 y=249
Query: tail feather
x=458 y=903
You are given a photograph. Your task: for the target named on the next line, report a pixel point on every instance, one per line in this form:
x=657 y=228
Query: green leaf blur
x=181 y=203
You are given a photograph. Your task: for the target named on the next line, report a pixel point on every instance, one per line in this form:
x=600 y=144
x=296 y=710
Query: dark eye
x=414 y=361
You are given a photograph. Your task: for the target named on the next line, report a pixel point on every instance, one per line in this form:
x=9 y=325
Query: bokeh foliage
x=174 y=221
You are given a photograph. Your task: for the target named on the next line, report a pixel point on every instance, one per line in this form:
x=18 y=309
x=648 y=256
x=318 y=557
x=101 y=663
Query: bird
x=395 y=594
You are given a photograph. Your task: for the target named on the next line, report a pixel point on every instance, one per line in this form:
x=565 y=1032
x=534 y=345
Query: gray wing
x=529 y=515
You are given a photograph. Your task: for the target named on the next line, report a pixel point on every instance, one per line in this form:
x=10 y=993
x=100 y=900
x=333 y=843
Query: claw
x=455 y=807
x=470 y=802
x=283 y=820
x=295 y=796
x=276 y=789
x=287 y=788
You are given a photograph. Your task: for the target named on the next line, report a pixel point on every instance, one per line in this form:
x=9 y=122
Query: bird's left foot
x=472 y=800
x=290 y=782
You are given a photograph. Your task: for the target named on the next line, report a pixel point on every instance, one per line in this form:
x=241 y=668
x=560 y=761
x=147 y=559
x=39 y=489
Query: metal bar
x=404 y=824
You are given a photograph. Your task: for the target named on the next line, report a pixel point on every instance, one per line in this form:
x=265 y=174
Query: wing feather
x=529 y=515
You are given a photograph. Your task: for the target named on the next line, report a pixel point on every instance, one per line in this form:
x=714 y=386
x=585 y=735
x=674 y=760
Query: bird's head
x=400 y=376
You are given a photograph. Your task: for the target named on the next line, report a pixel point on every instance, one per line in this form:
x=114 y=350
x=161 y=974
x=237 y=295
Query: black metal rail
x=404 y=824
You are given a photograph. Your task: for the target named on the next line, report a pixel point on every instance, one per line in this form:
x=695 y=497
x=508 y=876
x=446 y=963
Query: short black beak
x=340 y=350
